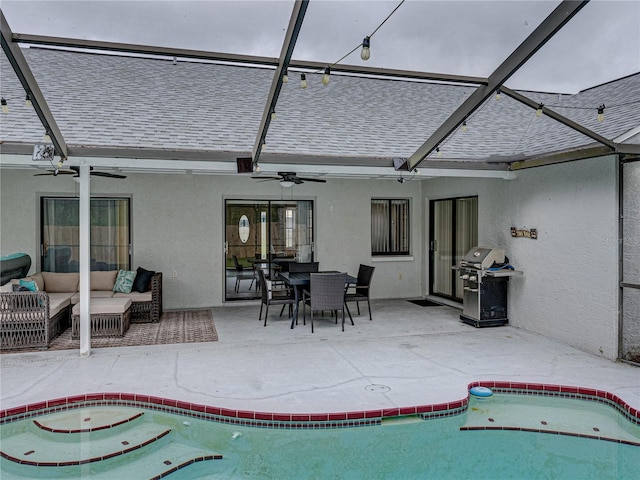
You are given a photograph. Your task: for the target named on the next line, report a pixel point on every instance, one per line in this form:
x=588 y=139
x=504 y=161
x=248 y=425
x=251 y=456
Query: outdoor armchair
x=273 y=296
x=362 y=289
x=326 y=292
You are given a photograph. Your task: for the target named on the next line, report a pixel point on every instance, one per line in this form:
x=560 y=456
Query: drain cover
x=377 y=388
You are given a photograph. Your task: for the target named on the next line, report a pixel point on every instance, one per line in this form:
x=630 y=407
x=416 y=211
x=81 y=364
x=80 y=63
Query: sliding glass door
x=454 y=231
x=264 y=234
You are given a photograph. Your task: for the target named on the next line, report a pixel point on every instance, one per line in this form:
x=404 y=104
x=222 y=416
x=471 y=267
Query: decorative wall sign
x=523 y=232
x=243 y=228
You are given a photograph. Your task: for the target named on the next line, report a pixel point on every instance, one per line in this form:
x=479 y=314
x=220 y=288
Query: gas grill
x=485 y=273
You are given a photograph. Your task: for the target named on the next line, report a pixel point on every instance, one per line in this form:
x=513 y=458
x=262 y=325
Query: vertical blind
x=389 y=227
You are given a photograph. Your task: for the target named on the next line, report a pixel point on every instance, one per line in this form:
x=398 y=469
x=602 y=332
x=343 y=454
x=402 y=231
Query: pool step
x=30 y=448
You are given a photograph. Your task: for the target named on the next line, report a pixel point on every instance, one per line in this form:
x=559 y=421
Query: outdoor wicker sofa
x=33 y=319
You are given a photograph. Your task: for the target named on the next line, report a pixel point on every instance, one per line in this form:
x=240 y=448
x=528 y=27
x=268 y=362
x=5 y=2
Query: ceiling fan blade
x=53 y=173
x=108 y=175
x=266 y=178
x=318 y=180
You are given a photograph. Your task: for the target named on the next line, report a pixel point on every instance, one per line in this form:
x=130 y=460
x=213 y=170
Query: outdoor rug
x=425 y=303
x=185 y=326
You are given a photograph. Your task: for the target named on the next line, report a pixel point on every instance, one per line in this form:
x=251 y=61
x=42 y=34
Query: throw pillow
x=142 y=283
x=124 y=281
x=30 y=285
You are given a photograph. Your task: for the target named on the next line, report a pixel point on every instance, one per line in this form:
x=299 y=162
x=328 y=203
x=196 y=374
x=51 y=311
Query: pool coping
x=313 y=420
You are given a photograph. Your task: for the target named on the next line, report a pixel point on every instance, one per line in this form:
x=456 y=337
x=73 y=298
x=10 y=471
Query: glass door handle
x=226 y=248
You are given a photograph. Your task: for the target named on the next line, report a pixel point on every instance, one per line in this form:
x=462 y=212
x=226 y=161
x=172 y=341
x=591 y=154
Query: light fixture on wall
x=365 y=54
x=326 y=78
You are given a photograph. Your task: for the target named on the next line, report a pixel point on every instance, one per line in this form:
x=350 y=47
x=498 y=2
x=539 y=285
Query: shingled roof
x=105 y=103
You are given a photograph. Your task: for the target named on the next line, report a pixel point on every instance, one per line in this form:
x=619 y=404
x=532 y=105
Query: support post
x=85 y=261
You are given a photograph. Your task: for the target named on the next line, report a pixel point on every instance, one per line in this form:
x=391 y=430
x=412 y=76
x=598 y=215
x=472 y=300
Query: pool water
x=473 y=444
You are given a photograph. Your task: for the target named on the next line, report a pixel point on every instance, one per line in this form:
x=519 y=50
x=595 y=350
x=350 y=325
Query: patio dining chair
x=243 y=273
x=304 y=267
x=326 y=292
x=274 y=296
x=362 y=289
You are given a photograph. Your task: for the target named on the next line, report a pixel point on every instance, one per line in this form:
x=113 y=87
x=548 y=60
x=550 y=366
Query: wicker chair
x=362 y=289
x=273 y=296
x=243 y=273
x=326 y=292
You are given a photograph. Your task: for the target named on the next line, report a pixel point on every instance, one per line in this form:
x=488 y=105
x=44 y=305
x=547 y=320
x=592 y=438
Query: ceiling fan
x=289 y=179
x=75 y=171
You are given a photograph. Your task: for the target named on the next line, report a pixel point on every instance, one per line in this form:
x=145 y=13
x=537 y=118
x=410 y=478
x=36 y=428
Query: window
x=289 y=227
x=60 y=233
x=389 y=226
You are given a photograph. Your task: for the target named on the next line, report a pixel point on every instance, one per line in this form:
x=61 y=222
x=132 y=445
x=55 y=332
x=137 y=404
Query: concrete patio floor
x=408 y=355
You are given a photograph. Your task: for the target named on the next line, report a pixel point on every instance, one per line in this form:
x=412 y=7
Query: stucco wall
x=569 y=289
x=631 y=262
x=178 y=226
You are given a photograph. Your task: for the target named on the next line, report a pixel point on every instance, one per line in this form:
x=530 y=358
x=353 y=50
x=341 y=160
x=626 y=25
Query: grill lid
x=481 y=258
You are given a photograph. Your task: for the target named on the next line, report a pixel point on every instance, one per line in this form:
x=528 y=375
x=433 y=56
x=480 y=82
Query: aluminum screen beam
x=236 y=58
x=30 y=85
x=557 y=117
x=295 y=23
x=547 y=29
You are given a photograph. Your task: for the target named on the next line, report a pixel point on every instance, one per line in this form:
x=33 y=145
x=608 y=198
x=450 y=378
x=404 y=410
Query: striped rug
x=185 y=326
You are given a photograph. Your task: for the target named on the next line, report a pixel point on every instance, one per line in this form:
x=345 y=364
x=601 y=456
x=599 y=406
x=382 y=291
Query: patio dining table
x=300 y=280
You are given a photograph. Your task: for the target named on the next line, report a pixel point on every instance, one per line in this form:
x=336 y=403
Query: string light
x=365 y=54
x=5 y=105
x=273 y=115
x=303 y=81
x=498 y=95
x=285 y=76
x=464 y=126
x=47 y=137
x=27 y=101
x=601 y=113
x=539 y=110
x=438 y=152
x=326 y=77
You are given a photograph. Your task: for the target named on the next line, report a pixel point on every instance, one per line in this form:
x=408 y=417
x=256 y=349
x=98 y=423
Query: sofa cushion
x=60 y=282
x=124 y=281
x=57 y=302
x=142 y=283
x=105 y=305
x=103 y=280
x=93 y=294
x=135 y=296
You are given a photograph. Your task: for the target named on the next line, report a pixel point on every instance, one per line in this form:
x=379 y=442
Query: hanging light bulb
x=47 y=137
x=327 y=74
x=464 y=126
x=60 y=163
x=498 y=95
x=365 y=54
x=601 y=113
x=257 y=169
x=5 y=105
x=285 y=76
x=539 y=110
x=273 y=115
x=303 y=81
x=438 y=152
x=27 y=101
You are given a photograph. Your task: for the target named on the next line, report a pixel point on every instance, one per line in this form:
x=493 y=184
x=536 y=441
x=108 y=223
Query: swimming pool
x=520 y=432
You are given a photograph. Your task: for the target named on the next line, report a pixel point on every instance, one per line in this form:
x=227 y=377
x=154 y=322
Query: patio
x=408 y=355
